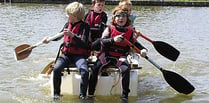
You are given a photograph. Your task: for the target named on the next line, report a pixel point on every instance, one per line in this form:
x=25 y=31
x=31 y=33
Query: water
x=186 y=28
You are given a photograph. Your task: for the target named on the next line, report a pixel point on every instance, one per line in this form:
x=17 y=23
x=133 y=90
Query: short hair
x=125 y=2
x=95 y=1
x=76 y=9
x=120 y=8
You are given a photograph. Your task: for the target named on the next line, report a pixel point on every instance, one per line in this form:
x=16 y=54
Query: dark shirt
x=83 y=40
x=96 y=31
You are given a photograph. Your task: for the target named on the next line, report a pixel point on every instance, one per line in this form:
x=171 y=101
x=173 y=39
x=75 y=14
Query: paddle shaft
x=40 y=43
x=140 y=34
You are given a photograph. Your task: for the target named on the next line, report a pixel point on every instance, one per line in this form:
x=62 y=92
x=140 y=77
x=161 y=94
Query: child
x=75 y=48
x=128 y=4
x=97 y=20
x=114 y=50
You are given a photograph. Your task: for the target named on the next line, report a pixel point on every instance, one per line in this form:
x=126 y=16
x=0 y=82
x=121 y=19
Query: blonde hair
x=75 y=9
x=125 y=2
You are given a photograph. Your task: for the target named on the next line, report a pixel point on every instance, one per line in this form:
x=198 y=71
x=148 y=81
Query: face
x=121 y=19
x=99 y=7
x=72 y=19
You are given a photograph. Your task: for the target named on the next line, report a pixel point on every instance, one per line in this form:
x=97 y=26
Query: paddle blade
x=178 y=82
x=166 y=50
x=21 y=52
x=48 y=68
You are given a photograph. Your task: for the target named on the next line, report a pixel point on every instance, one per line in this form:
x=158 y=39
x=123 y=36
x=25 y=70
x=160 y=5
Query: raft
x=106 y=86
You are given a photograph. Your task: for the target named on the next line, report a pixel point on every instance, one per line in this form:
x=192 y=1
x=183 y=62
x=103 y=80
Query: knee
x=83 y=67
x=95 y=70
x=57 y=70
x=84 y=71
x=124 y=68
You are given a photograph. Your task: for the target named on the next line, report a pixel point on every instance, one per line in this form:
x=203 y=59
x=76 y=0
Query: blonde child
x=75 y=48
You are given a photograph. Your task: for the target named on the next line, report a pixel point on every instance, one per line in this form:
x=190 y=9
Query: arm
x=138 y=45
x=65 y=26
x=105 y=40
x=142 y=48
x=103 y=22
x=104 y=19
x=44 y=40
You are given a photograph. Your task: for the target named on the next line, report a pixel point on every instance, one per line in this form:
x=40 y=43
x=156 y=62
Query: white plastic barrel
x=71 y=84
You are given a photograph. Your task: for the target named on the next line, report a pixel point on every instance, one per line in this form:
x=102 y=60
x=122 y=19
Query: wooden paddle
x=48 y=68
x=24 y=50
x=163 y=48
x=173 y=79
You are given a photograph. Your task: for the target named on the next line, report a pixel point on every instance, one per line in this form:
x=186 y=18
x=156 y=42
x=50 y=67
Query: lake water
x=185 y=28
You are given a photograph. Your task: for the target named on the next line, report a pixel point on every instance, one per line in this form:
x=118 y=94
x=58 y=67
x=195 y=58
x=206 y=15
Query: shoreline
x=115 y=2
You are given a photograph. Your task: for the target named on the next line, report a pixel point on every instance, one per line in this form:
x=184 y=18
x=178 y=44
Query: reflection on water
x=176 y=99
x=186 y=28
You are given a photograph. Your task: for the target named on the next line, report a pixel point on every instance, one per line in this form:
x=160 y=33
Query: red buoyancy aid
x=93 y=21
x=70 y=45
x=119 y=49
